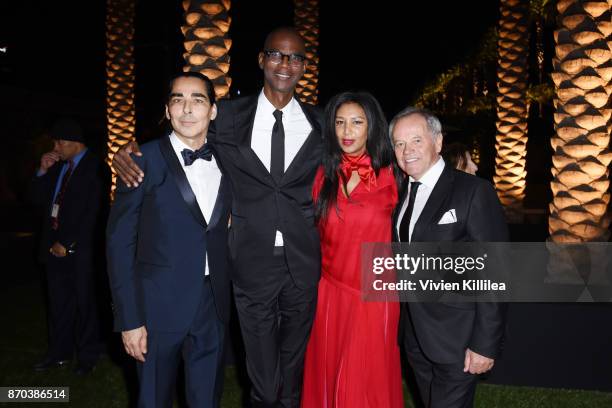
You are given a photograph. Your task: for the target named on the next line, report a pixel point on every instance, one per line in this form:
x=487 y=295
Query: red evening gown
x=352 y=359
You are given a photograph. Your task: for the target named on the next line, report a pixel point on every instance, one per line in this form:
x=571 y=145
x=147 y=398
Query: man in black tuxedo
x=167 y=255
x=447 y=344
x=69 y=190
x=270 y=146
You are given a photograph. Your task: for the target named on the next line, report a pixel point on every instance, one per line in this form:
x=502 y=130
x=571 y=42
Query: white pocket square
x=449 y=217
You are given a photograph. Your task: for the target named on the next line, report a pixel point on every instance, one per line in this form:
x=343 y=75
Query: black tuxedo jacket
x=157 y=239
x=444 y=330
x=83 y=203
x=260 y=205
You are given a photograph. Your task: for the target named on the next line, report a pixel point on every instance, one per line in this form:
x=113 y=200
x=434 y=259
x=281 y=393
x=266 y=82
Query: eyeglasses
x=276 y=57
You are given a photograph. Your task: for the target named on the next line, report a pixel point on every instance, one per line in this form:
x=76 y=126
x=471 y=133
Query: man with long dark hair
x=167 y=257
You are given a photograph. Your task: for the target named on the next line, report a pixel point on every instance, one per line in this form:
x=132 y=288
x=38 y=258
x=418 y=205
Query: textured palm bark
x=582 y=77
x=512 y=109
x=120 y=109
x=306 y=19
x=207 y=42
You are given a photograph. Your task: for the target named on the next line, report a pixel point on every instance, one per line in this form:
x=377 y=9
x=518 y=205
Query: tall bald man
x=167 y=258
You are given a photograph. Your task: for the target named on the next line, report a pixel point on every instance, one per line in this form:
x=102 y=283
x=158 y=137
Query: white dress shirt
x=296 y=126
x=428 y=182
x=203 y=176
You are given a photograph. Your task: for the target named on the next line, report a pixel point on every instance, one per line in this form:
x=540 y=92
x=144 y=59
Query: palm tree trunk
x=306 y=19
x=207 y=41
x=582 y=76
x=512 y=111
x=120 y=109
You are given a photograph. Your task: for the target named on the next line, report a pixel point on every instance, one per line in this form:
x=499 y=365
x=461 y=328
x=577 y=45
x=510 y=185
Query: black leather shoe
x=49 y=363
x=84 y=368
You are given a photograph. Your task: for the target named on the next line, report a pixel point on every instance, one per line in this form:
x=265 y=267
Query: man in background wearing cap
x=68 y=189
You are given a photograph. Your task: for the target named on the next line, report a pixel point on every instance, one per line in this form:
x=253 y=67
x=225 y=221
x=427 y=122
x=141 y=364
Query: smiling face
x=415 y=148
x=189 y=109
x=351 y=128
x=282 y=76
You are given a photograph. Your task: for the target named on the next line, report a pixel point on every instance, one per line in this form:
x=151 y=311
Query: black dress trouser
x=72 y=315
x=275 y=320
x=440 y=385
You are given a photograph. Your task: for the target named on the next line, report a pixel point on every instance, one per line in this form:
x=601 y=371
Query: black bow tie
x=189 y=156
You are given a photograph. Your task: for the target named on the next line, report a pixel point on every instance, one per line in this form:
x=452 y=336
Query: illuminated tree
x=307 y=23
x=120 y=110
x=582 y=77
x=207 y=41
x=512 y=109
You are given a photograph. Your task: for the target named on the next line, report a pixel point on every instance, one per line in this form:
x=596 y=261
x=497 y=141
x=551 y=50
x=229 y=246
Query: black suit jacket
x=444 y=330
x=84 y=199
x=260 y=205
x=157 y=239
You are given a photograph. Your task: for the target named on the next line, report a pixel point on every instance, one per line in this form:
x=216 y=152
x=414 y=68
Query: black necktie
x=277 y=157
x=405 y=224
x=189 y=156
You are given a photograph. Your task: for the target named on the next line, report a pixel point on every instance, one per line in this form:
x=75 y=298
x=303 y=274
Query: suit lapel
x=403 y=195
x=244 y=119
x=178 y=174
x=244 y=116
x=309 y=147
x=219 y=202
x=222 y=197
x=434 y=203
x=310 y=116
x=308 y=151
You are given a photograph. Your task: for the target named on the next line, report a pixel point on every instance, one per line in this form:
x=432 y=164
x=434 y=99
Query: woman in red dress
x=353 y=359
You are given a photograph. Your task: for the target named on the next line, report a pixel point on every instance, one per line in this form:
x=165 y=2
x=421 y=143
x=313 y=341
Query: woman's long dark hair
x=378 y=145
x=455 y=154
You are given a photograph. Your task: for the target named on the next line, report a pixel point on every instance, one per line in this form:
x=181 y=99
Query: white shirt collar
x=431 y=176
x=266 y=107
x=178 y=145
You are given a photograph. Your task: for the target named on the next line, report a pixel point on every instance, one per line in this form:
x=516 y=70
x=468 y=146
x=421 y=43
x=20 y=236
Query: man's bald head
x=283 y=61
x=284 y=32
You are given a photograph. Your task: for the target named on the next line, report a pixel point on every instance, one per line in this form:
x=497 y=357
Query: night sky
x=57 y=48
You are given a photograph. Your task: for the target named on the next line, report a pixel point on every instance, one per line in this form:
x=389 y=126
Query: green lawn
x=23 y=342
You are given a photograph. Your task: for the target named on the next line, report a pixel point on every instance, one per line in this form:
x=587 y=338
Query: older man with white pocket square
x=447 y=345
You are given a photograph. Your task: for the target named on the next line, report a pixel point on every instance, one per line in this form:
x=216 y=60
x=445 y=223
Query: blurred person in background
x=68 y=190
x=458 y=155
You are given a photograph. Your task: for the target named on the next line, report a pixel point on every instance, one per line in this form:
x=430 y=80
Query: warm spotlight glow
x=582 y=77
x=207 y=43
x=306 y=18
x=120 y=110
x=512 y=108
